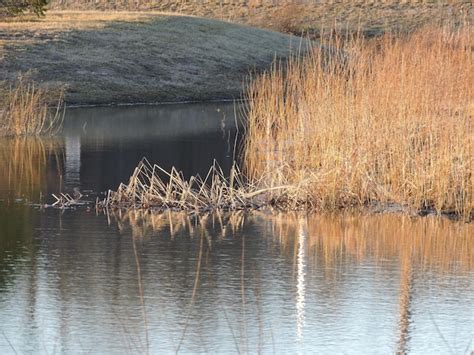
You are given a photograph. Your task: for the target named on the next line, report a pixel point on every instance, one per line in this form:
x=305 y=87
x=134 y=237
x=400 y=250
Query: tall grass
x=390 y=123
x=25 y=110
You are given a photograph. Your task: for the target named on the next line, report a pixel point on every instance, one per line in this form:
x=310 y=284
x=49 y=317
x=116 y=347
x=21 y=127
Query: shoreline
x=164 y=103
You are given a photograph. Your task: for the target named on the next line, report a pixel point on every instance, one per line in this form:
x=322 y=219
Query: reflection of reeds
x=23 y=164
x=24 y=110
x=428 y=242
x=143 y=222
x=392 y=123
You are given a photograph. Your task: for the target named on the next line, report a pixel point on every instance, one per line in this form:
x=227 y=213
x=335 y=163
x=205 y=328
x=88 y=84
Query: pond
x=78 y=281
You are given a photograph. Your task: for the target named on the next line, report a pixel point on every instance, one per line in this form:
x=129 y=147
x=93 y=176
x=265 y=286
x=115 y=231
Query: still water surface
x=77 y=281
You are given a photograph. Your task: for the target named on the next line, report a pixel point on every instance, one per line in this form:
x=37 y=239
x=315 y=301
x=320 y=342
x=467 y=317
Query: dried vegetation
x=392 y=123
x=151 y=187
x=25 y=109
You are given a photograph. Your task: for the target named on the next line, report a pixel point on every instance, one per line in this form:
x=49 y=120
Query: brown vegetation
x=297 y=16
x=24 y=110
x=152 y=188
x=391 y=124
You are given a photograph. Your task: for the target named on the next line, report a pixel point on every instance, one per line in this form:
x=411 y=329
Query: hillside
x=296 y=16
x=131 y=57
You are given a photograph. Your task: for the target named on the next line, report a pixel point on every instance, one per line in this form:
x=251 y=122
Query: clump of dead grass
x=392 y=124
x=152 y=187
x=25 y=109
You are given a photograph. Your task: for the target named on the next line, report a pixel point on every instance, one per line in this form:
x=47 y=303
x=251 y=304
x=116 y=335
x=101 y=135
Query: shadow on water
x=73 y=281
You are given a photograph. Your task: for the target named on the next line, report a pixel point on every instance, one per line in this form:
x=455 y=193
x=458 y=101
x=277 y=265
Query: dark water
x=77 y=281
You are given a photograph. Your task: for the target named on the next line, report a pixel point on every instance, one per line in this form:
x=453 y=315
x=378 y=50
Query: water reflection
x=99 y=148
x=424 y=250
x=77 y=281
x=104 y=145
x=300 y=280
x=219 y=283
x=28 y=166
x=406 y=295
x=397 y=256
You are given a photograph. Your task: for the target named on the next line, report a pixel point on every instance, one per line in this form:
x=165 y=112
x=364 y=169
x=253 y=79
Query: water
x=77 y=281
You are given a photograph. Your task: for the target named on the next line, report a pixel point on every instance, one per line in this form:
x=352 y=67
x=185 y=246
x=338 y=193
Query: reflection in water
x=141 y=293
x=421 y=247
x=428 y=242
x=72 y=168
x=413 y=250
x=28 y=166
x=406 y=290
x=218 y=283
x=104 y=145
x=74 y=281
x=300 y=283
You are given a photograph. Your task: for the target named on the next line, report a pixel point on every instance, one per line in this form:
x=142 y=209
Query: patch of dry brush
x=392 y=124
x=152 y=187
x=25 y=111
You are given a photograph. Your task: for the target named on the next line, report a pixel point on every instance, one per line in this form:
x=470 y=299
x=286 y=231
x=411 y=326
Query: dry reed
x=393 y=123
x=25 y=111
x=148 y=190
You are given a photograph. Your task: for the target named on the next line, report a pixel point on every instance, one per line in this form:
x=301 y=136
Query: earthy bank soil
x=133 y=57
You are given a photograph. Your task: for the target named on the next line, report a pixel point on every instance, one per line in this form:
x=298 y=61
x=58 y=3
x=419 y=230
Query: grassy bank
x=392 y=124
x=372 y=17
x=126 y=57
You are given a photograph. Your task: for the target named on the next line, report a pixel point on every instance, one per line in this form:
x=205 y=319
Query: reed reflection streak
x=300 y=280
x=406 y=286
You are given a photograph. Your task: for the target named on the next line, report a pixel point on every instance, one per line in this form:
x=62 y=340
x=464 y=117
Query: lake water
x=75 y=281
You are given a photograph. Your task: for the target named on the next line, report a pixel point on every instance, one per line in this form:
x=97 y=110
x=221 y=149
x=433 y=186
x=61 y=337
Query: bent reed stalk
x=25 y=111
x=392 y=123
x=152 y=187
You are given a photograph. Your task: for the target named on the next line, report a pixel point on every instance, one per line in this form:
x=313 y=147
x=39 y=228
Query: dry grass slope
x=136 y=57
x=393 y=124
x=296 y=16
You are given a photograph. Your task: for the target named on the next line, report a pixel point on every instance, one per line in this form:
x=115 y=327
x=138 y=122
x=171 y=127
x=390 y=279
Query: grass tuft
x=25 y=111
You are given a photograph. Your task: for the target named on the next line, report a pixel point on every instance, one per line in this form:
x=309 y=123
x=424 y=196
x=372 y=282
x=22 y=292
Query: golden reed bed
x=390 y=122
x=356 y=123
